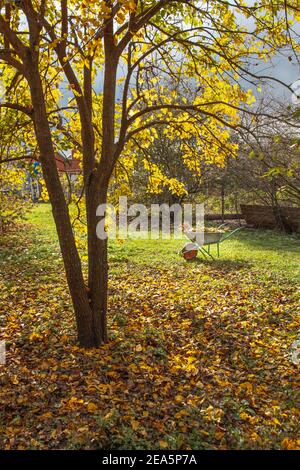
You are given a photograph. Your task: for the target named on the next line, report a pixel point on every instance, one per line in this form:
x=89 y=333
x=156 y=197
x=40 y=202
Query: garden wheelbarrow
x=190 y=250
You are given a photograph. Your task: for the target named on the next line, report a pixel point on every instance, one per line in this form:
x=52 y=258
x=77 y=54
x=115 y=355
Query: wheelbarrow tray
x=208 y=237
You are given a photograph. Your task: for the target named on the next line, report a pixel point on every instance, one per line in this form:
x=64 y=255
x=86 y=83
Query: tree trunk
x=223 y=200
x=97 y=188
x=87 y=335
x=98 y=267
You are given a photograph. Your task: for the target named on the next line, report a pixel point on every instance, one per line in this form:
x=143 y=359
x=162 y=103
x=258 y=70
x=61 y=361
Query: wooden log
x=225 y=216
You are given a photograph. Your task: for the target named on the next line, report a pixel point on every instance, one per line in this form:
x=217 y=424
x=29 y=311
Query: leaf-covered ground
x=198 y=357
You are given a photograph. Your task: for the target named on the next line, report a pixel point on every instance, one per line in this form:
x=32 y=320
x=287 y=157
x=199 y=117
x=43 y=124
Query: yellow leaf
x=76 y=93
x=219 y=435
x=92 y=407
x=134 y=424
x=291 y=444
x=83 y=429
x=179 y=398
x=163 y=444
x=46 y=415
x=64 y=338
x=35 y=336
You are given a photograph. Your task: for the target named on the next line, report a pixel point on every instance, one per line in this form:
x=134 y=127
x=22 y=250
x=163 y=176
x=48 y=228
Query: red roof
x=65 y=165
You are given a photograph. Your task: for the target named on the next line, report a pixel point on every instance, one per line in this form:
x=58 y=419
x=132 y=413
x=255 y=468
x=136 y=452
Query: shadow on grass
x=221 y=264
x=270 y=240
x=35 y=254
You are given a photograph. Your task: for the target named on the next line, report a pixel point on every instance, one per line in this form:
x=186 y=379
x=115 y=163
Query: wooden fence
x=267 y=217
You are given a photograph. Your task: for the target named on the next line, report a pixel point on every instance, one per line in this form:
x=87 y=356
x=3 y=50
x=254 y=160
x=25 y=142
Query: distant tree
x=273 y=147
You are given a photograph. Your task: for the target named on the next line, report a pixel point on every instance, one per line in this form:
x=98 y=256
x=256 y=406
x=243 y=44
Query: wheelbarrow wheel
x=189 y=251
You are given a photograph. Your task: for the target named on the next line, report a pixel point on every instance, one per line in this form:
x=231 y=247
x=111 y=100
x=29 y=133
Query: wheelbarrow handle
x=222 y=225
x=231 y=233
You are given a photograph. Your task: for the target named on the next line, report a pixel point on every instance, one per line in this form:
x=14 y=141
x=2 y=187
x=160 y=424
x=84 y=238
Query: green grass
x=269 y=252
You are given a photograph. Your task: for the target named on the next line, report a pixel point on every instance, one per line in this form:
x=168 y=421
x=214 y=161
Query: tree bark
x=98 y=266
x=222 y=199
x=83 y=312
x=97 y=189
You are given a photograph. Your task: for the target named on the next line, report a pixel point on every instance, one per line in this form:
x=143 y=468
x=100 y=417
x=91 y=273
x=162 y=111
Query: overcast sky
x=282 y=68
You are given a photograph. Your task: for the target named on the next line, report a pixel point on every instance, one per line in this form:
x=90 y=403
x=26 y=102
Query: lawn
x=265 y=251
x=199 y=355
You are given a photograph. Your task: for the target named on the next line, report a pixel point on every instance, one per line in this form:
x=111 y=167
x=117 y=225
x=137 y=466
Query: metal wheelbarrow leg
x=203 y=251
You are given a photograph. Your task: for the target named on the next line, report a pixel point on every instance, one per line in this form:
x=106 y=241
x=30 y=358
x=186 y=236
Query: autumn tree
x=132 y=44
x=12 y=130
